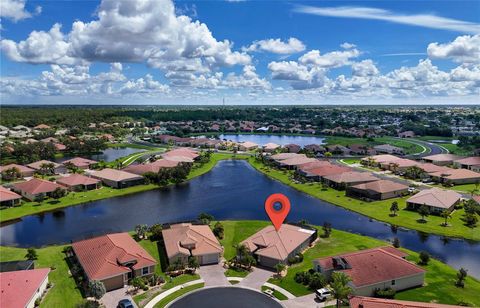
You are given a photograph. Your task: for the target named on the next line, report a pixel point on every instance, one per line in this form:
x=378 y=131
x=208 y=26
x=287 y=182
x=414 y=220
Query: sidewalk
x=161 y=296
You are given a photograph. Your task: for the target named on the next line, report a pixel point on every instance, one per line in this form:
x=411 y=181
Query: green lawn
x=351 y=161
x=237 y=231
x=236 y=273
x=165 y=301
x=29 y=208
x=408 y=146
x=379 y=210
x=133 y=146
x=276 y=294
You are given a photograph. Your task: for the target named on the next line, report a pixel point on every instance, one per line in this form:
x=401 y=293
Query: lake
x=278 y=139
x=107 y=155
x=231 y=190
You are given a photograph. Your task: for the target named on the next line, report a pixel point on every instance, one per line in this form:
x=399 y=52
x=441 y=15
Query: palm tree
x=11 y=174
x=47 y=168
x=445 y=214
x=394 y=208
x=423 y=211
x=340 y=287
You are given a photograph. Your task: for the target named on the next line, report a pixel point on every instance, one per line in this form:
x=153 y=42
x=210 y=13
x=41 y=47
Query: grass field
x=379 y=210
x=408 y=146
x=168 y=299
x=276 y=294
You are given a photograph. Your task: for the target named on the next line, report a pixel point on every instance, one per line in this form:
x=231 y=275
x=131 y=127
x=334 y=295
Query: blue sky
x=250 y=52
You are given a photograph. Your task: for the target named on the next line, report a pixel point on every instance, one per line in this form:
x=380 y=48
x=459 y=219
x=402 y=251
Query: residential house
x=380 y=159
x=8 y=198
x=80 y=162
x=337 y=149
x=154 y=167
x=57 y=168
x=247 y=146
x=399 y=165
x=435 y=199
x=42 y=126
x=35 y=189
x=25 y=171
x=185 y=239
x=19 y=265
x=360 y=149
x=471 y=163
x=270 y=147
x=79 y=182
x=373 y=269
x=283 y=156
x=407 y=134
x=292 y=148
x=113 y=259
x=21 y=289
x=117 y=178
x=441 y=159
x=373 y=302
x=271 y=247
x=315 y=148
x=456 y=176
x=182 y=152
x=294 y=162
x=378 y=190
x=388 y=149
x=318 y=173
x=349 y=178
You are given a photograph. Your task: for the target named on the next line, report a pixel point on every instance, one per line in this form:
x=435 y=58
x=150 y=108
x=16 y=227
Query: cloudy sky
x=246 y=52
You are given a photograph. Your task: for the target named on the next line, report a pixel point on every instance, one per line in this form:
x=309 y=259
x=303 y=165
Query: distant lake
x=262 y=139
x=232 y=190
x=108 y=155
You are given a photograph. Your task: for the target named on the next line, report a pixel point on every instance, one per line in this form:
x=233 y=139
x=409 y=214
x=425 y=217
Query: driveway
x=213 y=275
x=256 y=278
x=306 y=301
x=111 y=299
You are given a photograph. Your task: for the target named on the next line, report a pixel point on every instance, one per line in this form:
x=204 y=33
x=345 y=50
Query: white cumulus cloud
x=293 y=45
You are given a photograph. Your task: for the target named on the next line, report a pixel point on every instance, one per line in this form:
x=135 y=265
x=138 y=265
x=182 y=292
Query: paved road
x=256 y=279
x=434 y=148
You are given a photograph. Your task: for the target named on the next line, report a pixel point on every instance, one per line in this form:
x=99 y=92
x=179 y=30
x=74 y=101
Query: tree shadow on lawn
x=77 y=274
x=162 y=255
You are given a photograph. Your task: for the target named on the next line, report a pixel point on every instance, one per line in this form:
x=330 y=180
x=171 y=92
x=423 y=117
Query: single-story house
x=292 y=163
x=380 y=159
x=19 y=265
x=154 y=167
x=349 y=178
x=113 y=259
x=25 y=171
x=441 y=159
x=8 y=197
x=318 y=173
x=42 y=126
x=80 y=162
x=360 y=149
x=79 y=182
x=314 y=165
x=270 y=147
x=471 y=163
x=292 y=148
x=388 y=149
x=456 y=176
x=436 y=199
x=20 y=289
x=185 y=239
x=35 y=189
x=315 y=148
x=373 y=269
x=374 y=302
x=271 y=247
x=378 y=190
x=183 y=152
x=406 y=134
x=338 y=149
x=282 y=156
x=429 y=168
x=399 y=165
x=247 y=146
x=117 y=178
x=57 y=168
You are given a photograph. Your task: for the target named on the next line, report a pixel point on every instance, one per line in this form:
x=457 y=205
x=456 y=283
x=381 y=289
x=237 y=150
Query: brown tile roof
x=115 y=175
x=271 y=146
x=36 y=186
x=248 y=144
x=470 y=161
x=77 y=179
x=7 y=194
x=184 y=152
x=381 y=186
x=315 y=164
x=22 y=168
x=383 y=158
x=37 y=165
x=327 y=170
x=19 y=287
x=404 y=163
x=102 y=257
x=372 y=302
x=442 y=157
x=80 y=162
x=42 y=126
x=277 y=245
x=283 y=156
x=295 y=161
x=351 y=177
x=456 y=174
x=200 y=236
x=165 y=163
x=372 y=266
x=436 y=197
x=476 y=198
x=431 y=168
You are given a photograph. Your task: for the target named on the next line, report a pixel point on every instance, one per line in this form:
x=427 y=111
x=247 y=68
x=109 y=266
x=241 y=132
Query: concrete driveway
x=213 y=275
x=256 y=278
x=306 y=301
x=111 y=299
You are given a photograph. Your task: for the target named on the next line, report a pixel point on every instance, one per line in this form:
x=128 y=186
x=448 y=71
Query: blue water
x=278 y=139
x=232 y=190
x=108 y=155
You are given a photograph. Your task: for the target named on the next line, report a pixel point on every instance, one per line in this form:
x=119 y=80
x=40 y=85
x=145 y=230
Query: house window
x=393 y=282
x=145 y=270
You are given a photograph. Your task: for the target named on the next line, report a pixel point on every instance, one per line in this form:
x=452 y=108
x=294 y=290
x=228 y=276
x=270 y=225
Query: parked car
x=323 y=294
x=125 y=303
x=411 y=189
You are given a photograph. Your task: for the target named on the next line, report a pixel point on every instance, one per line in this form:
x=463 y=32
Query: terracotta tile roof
x=7 y=195
x=201 y=237
x=283 y=156
x=470 y=161
x=165 y=163
x=37 y=165
x=442 y=157
x=277 y=245
x=327 y=170
x=403 y=163
x=249 y=144
x=372 y=266
x=115 y=175
x=383 y=158
x=476 y=198
x=80 y=162
x=436 y=197
x=456 y=174
x=351 y=177
x=22 y=168
x=381 y=186
x=42 y=126
x=315 y=164
x=36 y=186
x=271 y=146
x=184 y=152
x=295 y=161
x=102 y=257
x=372 y=302
x=431 y=168
x=77 y=179
x=19 y=287
x=60 y=147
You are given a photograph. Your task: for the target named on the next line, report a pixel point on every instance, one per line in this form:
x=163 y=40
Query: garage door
x=209 y=259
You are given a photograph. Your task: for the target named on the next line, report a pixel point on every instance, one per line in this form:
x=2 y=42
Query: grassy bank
x=29 y=208
x=408 y=146
x=379 y=210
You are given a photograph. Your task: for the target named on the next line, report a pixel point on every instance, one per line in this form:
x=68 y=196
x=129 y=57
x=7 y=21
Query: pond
x=232 y=190
x=278 y=139
x=107 y=155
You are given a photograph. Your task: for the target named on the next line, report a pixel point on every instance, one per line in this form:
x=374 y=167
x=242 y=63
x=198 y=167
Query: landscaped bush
x=385 y=293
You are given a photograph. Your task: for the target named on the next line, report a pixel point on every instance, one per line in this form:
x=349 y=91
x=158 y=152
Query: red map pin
x=277 y=207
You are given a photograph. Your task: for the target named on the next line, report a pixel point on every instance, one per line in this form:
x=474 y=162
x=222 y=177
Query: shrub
x=385 y=293
x=317 y=281
x=424 y=258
